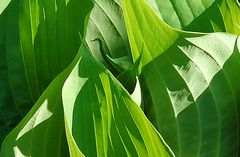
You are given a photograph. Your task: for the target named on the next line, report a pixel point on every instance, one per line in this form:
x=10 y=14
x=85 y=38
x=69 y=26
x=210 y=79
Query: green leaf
x=146 y=32
x=185 y=87
x=41 y=133
x=101 y=117
x=3 y=5
x=9 y=115
x=38 y=40
x=189 y=81
x=128 y=77
x=230 y=13
x=199 y=15
x=42 y=40
x=107 y=24
x=15 y=65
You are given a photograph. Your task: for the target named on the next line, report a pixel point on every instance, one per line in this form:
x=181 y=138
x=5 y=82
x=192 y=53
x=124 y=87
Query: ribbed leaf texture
x=38 y=39
x=189 y=82
x=100 y=118
x=199 y=15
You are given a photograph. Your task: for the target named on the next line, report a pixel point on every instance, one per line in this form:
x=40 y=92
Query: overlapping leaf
x=107 y=39
x=101 y=117
x=41 y=133
x=199 y=15
x=38 y=40
x=182 y=77
x=189 y=81
x=107 y=23
x=42 y=35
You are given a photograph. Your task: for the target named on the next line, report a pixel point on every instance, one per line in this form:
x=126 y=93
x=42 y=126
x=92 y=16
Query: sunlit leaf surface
x=189 y=82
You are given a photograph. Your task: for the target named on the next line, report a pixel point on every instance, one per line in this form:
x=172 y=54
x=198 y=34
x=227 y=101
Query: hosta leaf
x=107 y=24
x=107 y=39
x=41 y=133
x=3 y=5
x=186 y=91
x=199 y=15
x=15 y=65
x=42 y=39
x=190 y=83
x=38 y=40
x=145 y=32
x=101 y=117
x=230 y=13
x=9 y=115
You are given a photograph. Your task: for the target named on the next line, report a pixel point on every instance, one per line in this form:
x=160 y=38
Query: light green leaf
x=199 y=15
x=189 y=83
x=101 y=117
x=3 y=5
x=181 y=13
x=146 y=32
x=230 y=13
x=91 y=130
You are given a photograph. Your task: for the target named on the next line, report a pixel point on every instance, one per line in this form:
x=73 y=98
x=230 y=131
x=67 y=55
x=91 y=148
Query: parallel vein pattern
x=182 y=84
x=41 y=133
x=199 y=15
x=107 y=23
x=38 y=39
x=10 y=114
x=42 y=40
x=102 y=118
x=188 y=89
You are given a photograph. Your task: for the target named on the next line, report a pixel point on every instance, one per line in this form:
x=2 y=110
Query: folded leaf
x=107 y=23
x=190 y=83
x=102 y=119
x=95 y=107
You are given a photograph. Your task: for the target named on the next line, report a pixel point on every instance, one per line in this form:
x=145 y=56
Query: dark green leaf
x=38 y=39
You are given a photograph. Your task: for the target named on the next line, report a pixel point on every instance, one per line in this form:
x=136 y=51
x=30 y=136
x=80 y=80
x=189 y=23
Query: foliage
x=69 y=71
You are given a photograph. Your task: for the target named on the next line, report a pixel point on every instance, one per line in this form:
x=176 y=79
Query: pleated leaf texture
x=190 y=83
x=69 y=70
x=100 y=118
x=38 y=40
